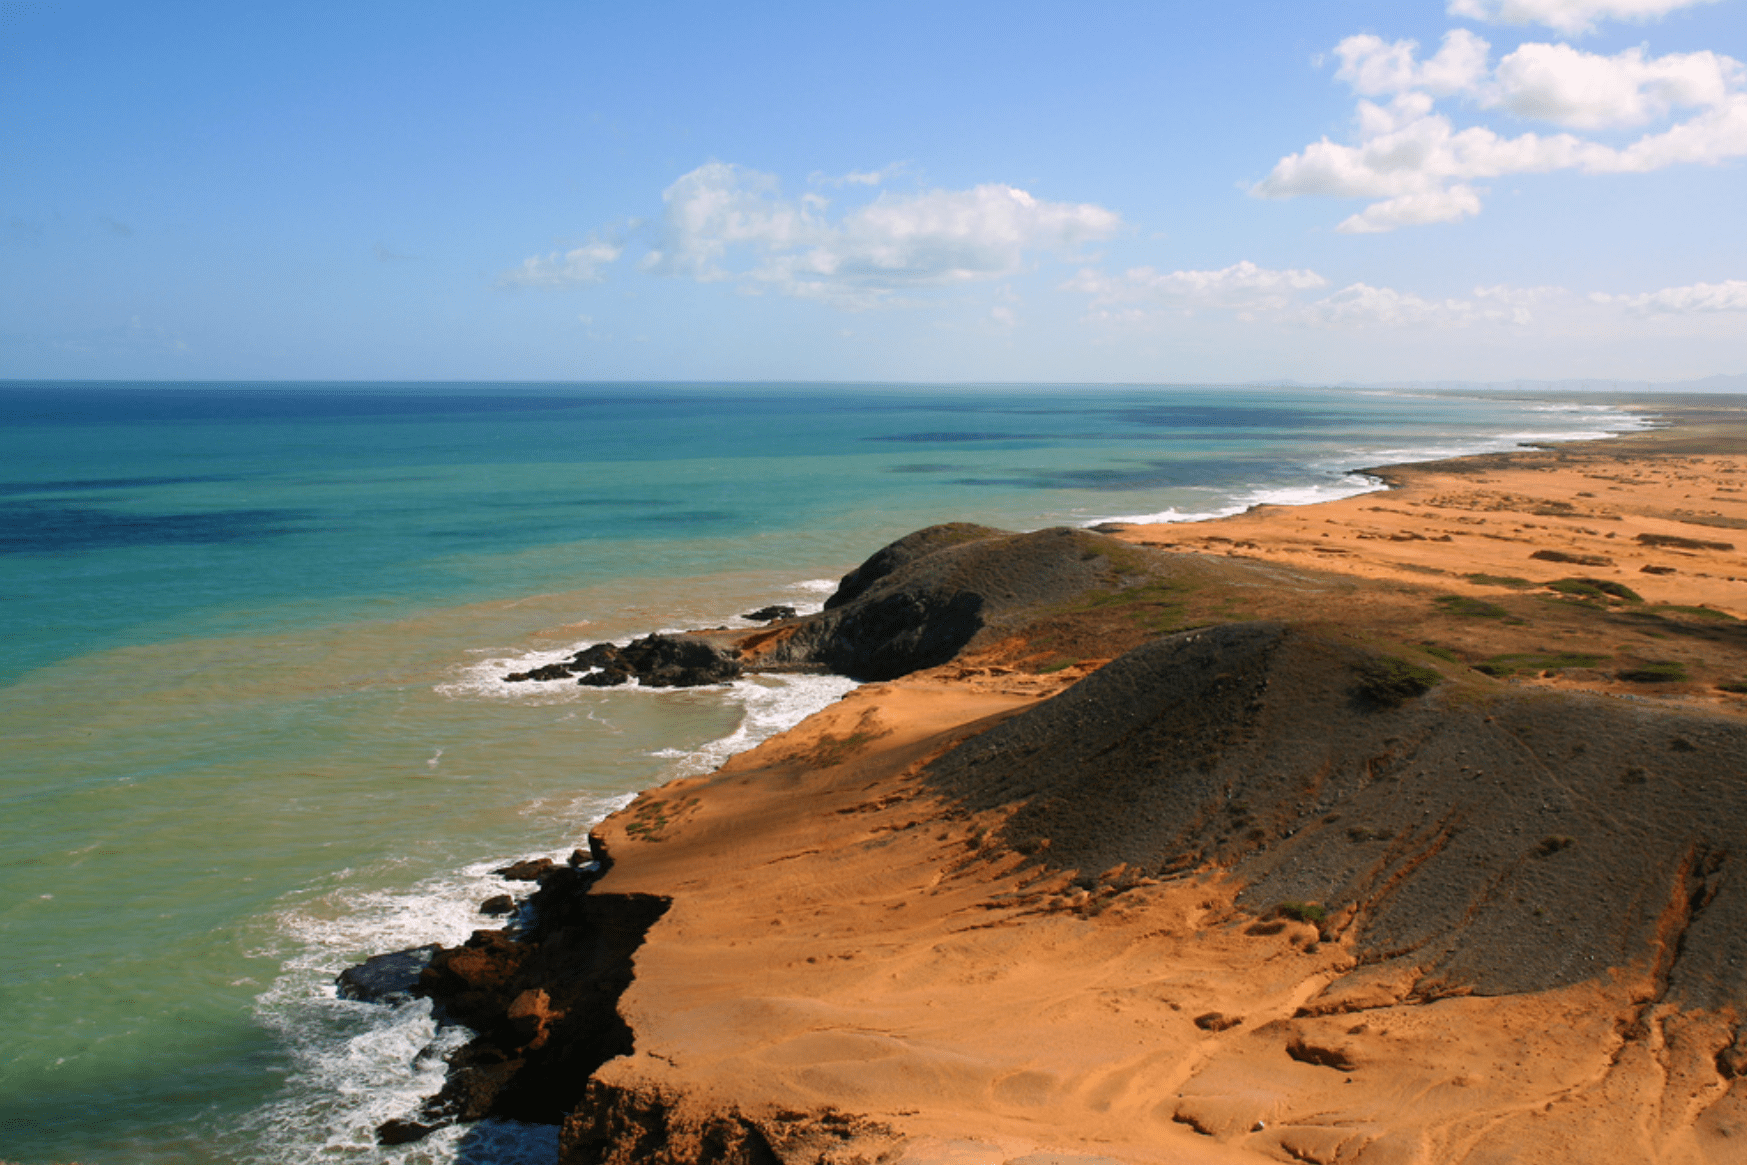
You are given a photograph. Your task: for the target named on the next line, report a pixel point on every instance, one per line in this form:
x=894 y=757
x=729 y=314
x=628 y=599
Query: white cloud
x=564 y=268
x=1242 y=285
x=1572 y=17
x=1557 y=83
x=1423 y=170
x=1373 y=66
x=1693 y=299
x=726 y=222
x=1448 y=204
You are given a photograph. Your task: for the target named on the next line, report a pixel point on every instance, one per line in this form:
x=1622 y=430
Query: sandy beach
x=1370 y=847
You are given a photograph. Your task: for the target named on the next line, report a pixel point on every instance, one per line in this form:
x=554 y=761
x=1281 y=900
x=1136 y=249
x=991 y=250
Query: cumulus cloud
x=1571 y=17
x=1373 y=66
x=1422 y=169
x=1242 y=285
x=726 y=222
x=1560 y=84
x=1693 y=299
x=564 y=268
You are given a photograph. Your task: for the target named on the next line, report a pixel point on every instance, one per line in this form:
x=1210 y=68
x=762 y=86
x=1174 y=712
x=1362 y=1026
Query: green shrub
x=1507 y=665
x=1664 y=671
x=1500 y=580
x=1302 y=912
x=1443 y=653
x=1737 y=686
x=1389 y=680
x=1696 y=612
x=1595 y=588
x=1474 y=608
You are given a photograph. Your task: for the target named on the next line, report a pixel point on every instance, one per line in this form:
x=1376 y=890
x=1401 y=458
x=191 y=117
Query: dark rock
x=544 y=1002
x=770 y=614
x=551 y=671
x=386 y=978
x=402 y=1132
x=526 y=870
x=600 y=655
x=610 y=677
x=920 y=601
x=498 y=904
x=911 y=547
x=657 y=661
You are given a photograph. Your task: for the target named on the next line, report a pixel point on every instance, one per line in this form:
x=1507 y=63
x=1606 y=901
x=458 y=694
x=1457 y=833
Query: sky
x=1316 y=191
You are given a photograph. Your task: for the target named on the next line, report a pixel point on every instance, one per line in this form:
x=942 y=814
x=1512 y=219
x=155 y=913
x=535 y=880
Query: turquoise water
x=252 y=635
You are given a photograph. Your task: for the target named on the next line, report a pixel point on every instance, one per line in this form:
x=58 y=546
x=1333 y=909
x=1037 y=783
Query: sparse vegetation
x=1663 y=671
x=1500 y=580
x=1509 y=665
x=1600 y=589
x=1389 y=680
x=1312 y=912
x=1472 y=608
x=1438 y=652
x=1695 y=612
x=1739 y=687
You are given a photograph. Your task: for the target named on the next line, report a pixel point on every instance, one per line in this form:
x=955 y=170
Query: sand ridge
x=857 y=950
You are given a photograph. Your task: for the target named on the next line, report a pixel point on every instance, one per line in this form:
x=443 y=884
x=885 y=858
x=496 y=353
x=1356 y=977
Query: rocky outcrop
x=391 y=978
x=914 y=604
x=655 y=661
x=653 y=1126
x=925 y=598
x=543 y=1002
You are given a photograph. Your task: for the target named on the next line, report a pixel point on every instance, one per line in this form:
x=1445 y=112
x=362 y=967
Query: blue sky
x=1316 y=190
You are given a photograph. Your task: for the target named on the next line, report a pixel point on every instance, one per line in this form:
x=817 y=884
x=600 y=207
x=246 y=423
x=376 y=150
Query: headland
x=1406 y=828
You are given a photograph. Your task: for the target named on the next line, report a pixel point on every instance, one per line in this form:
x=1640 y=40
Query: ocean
x=250 y=678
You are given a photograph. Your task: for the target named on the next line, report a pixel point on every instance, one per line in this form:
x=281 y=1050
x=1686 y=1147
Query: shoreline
x=863 y=947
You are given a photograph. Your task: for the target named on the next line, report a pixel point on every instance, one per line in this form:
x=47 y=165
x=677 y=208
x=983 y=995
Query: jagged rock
x=770 y=614
x=498 y=904
x=526 y=870
x=402 y=1132
x=659 y=661
x=544 y=1002
x=386 y=978
x=551 y=671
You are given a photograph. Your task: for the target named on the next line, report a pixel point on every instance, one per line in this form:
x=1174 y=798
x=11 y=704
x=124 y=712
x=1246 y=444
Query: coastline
x=853 y=959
